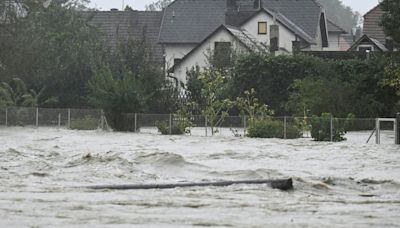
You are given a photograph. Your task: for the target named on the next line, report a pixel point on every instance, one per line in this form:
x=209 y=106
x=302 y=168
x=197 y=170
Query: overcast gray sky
x=361 y=6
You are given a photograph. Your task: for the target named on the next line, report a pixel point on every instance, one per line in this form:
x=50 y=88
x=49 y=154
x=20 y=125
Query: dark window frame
x=266 y=28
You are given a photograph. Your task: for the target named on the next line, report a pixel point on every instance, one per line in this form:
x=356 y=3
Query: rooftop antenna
x=123 y=5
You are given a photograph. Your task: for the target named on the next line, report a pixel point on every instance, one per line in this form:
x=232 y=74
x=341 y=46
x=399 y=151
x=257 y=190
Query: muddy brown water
x=348 y=184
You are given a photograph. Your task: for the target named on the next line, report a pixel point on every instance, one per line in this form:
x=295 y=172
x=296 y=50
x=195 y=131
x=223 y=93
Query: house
x=192 y=28
x=184 y=33
x=374 y=38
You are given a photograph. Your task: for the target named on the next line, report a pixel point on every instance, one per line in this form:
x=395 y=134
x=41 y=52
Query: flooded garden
x=45 y=171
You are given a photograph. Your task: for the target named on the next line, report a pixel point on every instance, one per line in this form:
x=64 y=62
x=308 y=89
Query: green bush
x=179 y=128
x=272 y=129
x=321 y=128
x=87 y=123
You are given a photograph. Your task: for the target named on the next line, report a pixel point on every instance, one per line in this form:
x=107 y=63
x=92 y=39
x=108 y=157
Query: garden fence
x=200 y=125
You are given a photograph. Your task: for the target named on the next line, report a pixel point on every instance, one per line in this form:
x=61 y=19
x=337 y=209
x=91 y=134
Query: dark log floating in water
x=283 y=184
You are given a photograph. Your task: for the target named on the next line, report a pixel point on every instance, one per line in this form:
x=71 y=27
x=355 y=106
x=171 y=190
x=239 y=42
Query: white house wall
x=176 y=51
x=199 y=56
x=334 y=42
x=285 y=35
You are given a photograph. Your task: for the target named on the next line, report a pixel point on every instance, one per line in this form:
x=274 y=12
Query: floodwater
x=347 y=184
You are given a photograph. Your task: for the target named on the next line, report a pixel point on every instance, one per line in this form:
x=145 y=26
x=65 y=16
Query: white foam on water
x=342 y=184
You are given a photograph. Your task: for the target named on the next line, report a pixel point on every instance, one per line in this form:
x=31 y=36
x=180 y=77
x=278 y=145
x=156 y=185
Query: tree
x=16 y=93
x=158 y=5
x=391 y=19
x=215 y=108
x=54 y=46
x=341 y=15
x=391 y=26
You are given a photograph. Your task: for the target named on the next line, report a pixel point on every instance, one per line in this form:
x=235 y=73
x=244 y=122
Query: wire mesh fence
x=40 y=117
x=323 y=128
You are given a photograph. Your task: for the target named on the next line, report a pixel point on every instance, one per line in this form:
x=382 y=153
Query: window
x=262 y=28
x=177 y=61
x=365 y=48
x=222 y=54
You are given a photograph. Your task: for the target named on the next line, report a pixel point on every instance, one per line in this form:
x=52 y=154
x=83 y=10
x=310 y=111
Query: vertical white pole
x=69 y=118
x=285 y=128
x=37 y=117
x=6 y=116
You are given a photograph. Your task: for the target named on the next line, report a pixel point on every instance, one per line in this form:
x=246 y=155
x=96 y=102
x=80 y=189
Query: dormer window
x=262 y=28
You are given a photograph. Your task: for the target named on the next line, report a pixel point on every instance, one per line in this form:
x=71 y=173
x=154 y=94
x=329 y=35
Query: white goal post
x=378 y=128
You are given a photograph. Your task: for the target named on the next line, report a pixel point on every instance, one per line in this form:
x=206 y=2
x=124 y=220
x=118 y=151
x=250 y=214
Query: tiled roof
x=332 y=27
x=122 y=25
x=190 y=21
x=304 y=13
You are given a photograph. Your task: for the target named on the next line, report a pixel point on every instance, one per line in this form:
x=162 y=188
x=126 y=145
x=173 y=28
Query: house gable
x=198 y=56
x=366 y=42
x=372 y=26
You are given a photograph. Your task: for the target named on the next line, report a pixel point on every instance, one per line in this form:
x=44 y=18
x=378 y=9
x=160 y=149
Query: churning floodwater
x=347 y=184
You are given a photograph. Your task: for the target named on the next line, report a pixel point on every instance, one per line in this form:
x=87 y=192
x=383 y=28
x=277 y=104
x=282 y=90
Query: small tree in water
x=215 y=108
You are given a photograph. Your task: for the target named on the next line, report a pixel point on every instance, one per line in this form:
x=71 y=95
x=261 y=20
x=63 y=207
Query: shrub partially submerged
x=178 y=128
x=321 y=128
x=273 y=129
x=87 y=123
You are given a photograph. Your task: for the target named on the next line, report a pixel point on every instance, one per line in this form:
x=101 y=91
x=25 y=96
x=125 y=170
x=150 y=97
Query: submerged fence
x=25 y=116
x=198 y=125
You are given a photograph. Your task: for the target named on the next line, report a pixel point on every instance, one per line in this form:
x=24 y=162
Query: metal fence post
x=397 y=131
x=59 y=120
x=37 y=117
x=244 y=126
x=378 y=131
x=205 y=118
x=135 y=130
x=69 y=118
x=102 y=120
x=331 y=128
x=285 y=128
x=170 y=124
x=6 y=116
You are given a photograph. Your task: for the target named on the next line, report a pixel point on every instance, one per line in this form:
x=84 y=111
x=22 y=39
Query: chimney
x=257 y=4
x=231 y=5
x=274 y=38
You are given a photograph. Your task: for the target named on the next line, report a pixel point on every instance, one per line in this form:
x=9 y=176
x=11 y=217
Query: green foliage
x=267 y=128
x=351 y=86
x=16 y=93
x=130 y=83
x=321 y=128
x=391 y=19
x=215 y=108
x=87 y=123
x=250 y=106
x=178 y=128
x=53 y=46
x=272 y=76
x=392 y=72
x=194 y=86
